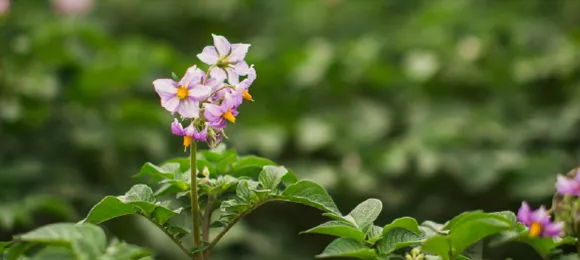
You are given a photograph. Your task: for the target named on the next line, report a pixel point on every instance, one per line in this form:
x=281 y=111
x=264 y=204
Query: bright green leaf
x=139 y=199
x=470 y=230
x=438 y=245
x=121 y=250
x=86 y=240
x=396 y=238
x=407 y=223
x=271 y=176
x=339 y=229
x=375 y=234
x=54 y=253
x=465 y=216
x=474 y=252
x=365 y=213
x=251 y=166
x=311 y=194
x=108 y=208
x=348 y=247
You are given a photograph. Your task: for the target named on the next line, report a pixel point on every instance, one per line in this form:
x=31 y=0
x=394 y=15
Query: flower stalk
x=194 y=199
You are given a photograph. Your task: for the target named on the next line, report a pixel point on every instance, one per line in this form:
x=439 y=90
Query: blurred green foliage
x=433 y=106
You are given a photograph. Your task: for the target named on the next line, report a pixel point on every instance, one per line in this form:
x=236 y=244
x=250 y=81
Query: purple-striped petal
x=252 y=73
x=567 y=186
x=239 y=51
x=165 y=87
x=230 y=101
x=192 y=76
x=222 y=45
x=209 y=55
x=553 y=229
x=170 y=104
x=219 y=74
x=176 y=128
x=188 y=108
x=524 y=213
x=189 y=130
x=540 y=216
x=241 y=68
x=233 y=77
x=199 y=92
x=212 y=112
x=200 y=135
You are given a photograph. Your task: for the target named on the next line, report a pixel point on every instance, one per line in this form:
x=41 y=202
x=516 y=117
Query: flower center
x=187 y=141
x=247 y=95
x=229 y=116
x=222 y=62
x=535 y=229
x=182 y=92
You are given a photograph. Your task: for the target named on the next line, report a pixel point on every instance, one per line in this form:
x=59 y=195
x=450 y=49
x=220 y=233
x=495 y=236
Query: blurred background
x=433 y=106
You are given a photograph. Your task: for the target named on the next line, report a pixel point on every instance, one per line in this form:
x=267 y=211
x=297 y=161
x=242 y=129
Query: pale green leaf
x=365 y=213
x=311 y=194
x=271 y=176
x=339 y=229
x=348 y=247
x=396 y=238
x=407 y=223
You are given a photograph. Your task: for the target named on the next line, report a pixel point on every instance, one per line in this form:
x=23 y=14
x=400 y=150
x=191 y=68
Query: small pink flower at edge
x=538 y=222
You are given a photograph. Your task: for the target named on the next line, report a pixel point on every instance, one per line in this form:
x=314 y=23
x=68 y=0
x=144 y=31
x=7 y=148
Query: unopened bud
x=415 y=252
x=205 y=172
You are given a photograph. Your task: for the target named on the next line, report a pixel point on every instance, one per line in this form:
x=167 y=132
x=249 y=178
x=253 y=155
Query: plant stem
x=194 y=199
x=235 y=220
x=172 y=237
x=206 y=222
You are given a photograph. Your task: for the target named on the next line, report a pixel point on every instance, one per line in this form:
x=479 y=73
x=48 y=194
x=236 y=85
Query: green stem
x=235 y=220
x=172 y=237
x=206 y=223
x=194 y=199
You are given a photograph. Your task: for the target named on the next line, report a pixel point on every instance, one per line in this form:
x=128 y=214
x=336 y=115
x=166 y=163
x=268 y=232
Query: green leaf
x=108 y=208
x=365 y=213
x=138 y=199
x=339 y=229
x=346 y=219
x=251 y=166
x=348 y=247
x=226 y=160
x=474 y=228
x=86 y=240
x=271 y=176
x=311 y=194
x=510 y=216
x=244 y=192
x=17 y=250
x=121 y=250
x=396 y=238
x=407 y=223
x=375 y=234
x=165 y=171
x=54 y=253
x=438 y=245
x=432 y=229
x=223 y=184
x=465 y=216
x=474 y=252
